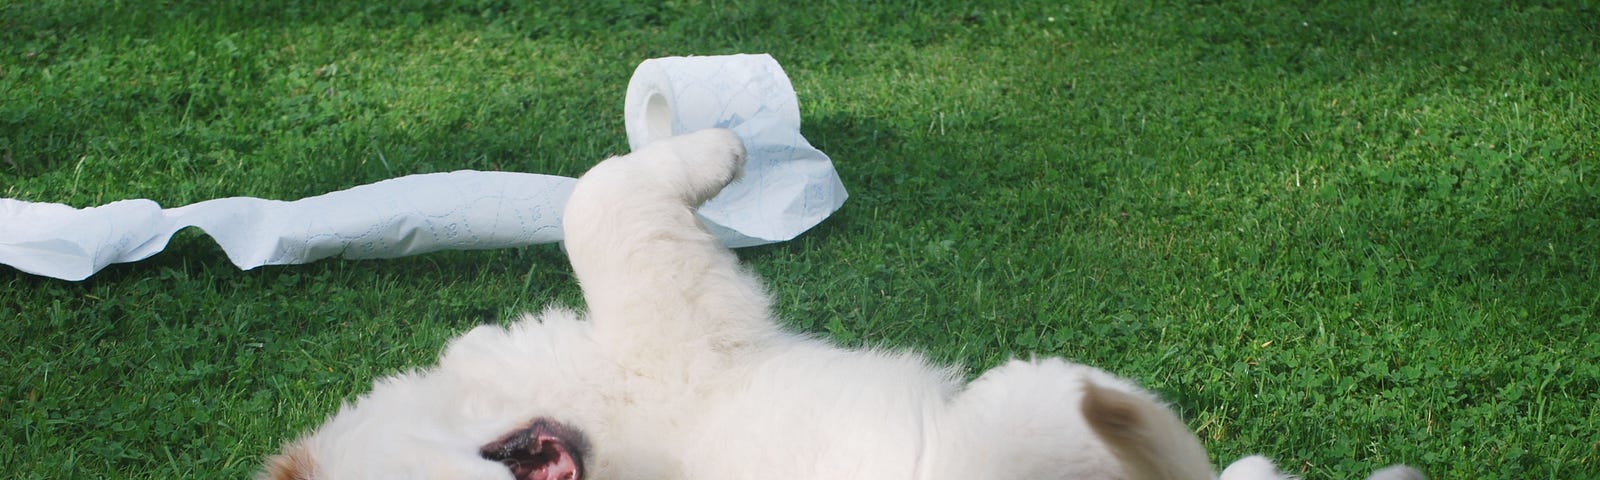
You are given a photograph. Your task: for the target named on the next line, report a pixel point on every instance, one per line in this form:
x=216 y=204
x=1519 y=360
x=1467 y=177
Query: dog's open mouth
x=544 y=450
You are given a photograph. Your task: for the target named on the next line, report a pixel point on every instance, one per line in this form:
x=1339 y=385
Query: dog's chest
x=828 y=415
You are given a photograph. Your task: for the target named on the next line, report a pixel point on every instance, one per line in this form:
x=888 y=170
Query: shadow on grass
x=63 y=18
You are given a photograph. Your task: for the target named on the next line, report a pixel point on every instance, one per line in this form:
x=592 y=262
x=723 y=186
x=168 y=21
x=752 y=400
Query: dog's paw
x=1397 y=472
x=1254 y=467
x=691 y=167
x=705 y=161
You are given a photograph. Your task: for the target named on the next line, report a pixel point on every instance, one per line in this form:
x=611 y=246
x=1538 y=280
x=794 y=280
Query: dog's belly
x=816 y=412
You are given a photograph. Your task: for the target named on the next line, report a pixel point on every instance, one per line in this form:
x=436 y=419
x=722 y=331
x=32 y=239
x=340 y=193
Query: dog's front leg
x=656 y=282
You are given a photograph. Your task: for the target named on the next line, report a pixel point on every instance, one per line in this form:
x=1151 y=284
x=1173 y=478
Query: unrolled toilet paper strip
x=787 y=187
x=392 y=218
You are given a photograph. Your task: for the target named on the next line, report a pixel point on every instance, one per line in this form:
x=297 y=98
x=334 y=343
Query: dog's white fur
x=679 y=371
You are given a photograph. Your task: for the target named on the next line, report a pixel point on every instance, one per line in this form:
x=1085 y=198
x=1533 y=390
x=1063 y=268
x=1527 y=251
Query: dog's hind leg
x=656 y=282
x=1048 y=419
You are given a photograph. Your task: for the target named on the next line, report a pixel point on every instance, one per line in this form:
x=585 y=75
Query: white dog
x=679 y=371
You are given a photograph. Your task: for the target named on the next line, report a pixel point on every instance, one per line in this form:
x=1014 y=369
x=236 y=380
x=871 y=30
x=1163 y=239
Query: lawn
x=1340 y=234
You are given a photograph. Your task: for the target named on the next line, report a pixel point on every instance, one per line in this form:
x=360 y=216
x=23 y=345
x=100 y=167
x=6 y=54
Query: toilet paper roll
x=787 y=187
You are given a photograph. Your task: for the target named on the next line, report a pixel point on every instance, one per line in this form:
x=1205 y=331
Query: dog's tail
x=1148 y=440
x=651 y=274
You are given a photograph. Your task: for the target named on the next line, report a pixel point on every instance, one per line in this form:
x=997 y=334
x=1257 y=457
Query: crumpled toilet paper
x=787 y=187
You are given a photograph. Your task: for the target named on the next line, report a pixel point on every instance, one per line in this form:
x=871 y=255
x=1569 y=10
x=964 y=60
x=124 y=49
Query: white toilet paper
x=397 y=217
x=787 y=188
x=787 y=185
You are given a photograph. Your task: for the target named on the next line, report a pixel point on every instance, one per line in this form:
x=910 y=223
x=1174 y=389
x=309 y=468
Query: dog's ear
x=1146 y=437
x=543 y=450
x=293 y=464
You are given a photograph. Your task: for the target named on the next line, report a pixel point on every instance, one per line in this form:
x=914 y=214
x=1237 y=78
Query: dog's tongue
x=539 y=451
x=547 y=459
x=557 y=463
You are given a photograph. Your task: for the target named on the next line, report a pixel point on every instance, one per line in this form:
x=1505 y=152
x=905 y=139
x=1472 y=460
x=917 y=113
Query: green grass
x=1340 y=235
